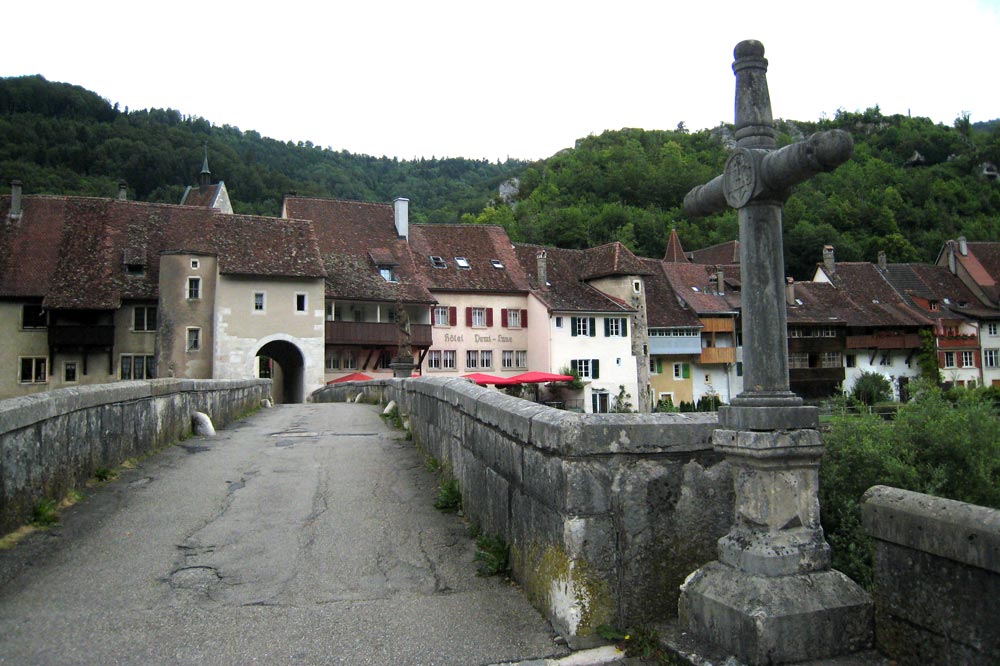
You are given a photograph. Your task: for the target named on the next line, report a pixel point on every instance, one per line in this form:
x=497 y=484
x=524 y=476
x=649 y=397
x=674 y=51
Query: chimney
x=952 y=261
x=15 y=200
x=401 y=214
x=122 y=191
x=882 y=264
x=543 y=276
x=828 y=261
x=963 y=246
x=721 y=280
x=790 y=291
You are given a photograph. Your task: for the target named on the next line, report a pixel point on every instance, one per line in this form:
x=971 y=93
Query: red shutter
x=489 y=317
x=468 y=316
x=453 y=316
x=503 y=317
x=524 y=319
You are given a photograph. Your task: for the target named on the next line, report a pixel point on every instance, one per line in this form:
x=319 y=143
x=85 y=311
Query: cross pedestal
x=771 y=597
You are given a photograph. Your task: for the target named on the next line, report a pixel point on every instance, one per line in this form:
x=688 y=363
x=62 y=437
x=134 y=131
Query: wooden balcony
x=81 y=336
x=958 y=342
x=718 y=325
x=905 y=341
x=374 y=334
x=717 y=355
x=805 y=375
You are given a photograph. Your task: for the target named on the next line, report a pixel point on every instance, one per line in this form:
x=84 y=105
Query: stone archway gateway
x=287 y=370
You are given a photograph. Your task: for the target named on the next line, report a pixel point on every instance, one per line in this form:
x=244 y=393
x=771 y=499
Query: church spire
x=205 y=178
x=675 y=252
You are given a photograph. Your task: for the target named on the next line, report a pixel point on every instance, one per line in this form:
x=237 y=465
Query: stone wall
x=53 y=442
x=937 y=578
x=605 y=514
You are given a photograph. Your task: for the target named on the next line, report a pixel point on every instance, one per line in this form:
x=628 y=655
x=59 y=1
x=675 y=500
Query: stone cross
x=771 y=597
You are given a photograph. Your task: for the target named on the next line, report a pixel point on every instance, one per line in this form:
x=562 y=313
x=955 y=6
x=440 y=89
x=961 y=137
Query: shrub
x=870 y=388
x=492 y=554
x=449 y=496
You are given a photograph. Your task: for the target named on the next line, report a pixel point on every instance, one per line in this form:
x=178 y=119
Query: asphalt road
x=305 y=534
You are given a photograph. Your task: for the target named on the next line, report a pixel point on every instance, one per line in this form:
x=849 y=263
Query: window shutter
x=607 y=327
x=686 y=371
x=593 y=327
x=503 y=318
x=524 y=319
x=489 y=316
x=624 y=326
x=573 y=366
x=468 y=316
x=659 y=366
x=453 y=316
x=595 y=369
x=572 y=326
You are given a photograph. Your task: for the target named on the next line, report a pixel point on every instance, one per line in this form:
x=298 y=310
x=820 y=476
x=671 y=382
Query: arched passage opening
x=284 y=364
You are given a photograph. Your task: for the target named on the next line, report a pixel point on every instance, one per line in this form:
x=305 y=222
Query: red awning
x=353 y=377
x=535 y=377
x=483 y=379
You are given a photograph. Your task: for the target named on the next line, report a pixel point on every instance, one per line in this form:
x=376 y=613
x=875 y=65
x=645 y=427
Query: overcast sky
x=521 y=78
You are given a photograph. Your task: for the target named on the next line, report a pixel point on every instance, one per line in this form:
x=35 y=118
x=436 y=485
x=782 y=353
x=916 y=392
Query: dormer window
x=496 y=263
x=462 y=263
x=388 y=274
x=933 y=305
x=438 y=262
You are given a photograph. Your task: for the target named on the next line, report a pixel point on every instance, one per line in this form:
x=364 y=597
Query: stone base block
x=776 y=620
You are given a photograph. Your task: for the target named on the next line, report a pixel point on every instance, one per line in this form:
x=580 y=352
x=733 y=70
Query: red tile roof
x=72 y=250
x=479 y=245
x=566 y=290
x=937 y=283
x=691 y=283
x=723 y=253
x=876 y=303
x=346 y=231
x=610 y=259
x=675 y=251
x=203 y=197
x=664 y=309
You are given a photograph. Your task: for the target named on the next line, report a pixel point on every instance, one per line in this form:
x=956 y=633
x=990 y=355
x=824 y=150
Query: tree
x=871 y=388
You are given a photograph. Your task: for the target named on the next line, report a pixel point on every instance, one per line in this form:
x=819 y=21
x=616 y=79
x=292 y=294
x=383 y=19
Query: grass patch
x=492 y=555
x=46 y=513
x=103 y=474
x=449 y=496
x=643 y=643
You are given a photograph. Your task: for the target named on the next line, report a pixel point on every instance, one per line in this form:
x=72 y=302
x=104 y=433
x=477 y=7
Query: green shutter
x=659 y=366
x=593 y=327
x=607 y=327
x=595 y=369
x=686 y=370
x=624 y=326
x=573 y=366
x=572 y=326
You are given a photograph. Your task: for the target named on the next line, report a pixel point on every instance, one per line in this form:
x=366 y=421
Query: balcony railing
x=679 y=345
x=905 y=341
x=711 y=355
x=958 y=341
x=374 y=334
x=82 y=336
x=803 y=375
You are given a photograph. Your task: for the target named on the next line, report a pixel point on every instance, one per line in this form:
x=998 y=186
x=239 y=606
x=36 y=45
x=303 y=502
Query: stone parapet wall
x=605 y=514
x=53 y=442
x=937 y=578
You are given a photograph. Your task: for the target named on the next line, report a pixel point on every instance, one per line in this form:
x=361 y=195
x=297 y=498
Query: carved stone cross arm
x=756 y=175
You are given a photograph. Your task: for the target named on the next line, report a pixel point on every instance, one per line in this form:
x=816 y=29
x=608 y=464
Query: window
x=137 y=366
x=69 y=371
x=384 y=359
x=990 y=357
x=798 y=360
x=388 y=274
x=851 y=360
x=438 y=262
x=33 y=370
x=615 y=326
x=333 y=361
x=682 y=370
x=449 y=359
x=583 y=326
x=472 y=359
x=479 y=317
x=486 y=359
x=259 y=301
x=463 y=263
x=441 y=317
x=195 y=264
x=636 y=286
x=991 y=328
x=513 y=318
x=586 y=368
x=434 y=359
x=600 y=402
x=33 y=316
x=350 y=360
x=559 y=322
x=521 y=358
x=968 y=361
x=300 y=302
x=496 y=263
x=144 y=318
x=507 y=359
x=949 y=359
x=885 y=359
x=194 y=288
x=830 y=359
x=193 y=339
x=933 y=305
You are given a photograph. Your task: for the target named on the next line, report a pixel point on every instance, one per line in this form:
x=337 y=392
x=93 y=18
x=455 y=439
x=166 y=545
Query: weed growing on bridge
x=642 y=642
x=492 y=554
x=432 y=464
x=46 y=513
x=449 y=495
x=394 y=418
x=104 y=474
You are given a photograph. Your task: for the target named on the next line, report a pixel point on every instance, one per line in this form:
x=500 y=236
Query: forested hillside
x=910 y=186
x=61 y=139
